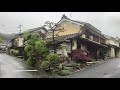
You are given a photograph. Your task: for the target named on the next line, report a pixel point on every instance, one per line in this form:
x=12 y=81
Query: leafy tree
x=51 y=61
x=25 y=35
x=36 y=48
x=1 y=40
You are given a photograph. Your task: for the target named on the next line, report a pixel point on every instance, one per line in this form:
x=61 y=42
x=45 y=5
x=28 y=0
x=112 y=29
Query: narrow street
x=109 y=69
x=12 y=67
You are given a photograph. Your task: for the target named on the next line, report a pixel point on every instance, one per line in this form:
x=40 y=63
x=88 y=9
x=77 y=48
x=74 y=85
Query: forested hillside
x=6 y=37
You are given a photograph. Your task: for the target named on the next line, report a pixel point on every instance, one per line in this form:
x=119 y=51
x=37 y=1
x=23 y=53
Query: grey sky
x=107 y=22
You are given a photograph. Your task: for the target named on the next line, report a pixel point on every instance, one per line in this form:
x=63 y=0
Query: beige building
x=19 y=41
x=113 y=47
x=77 y=35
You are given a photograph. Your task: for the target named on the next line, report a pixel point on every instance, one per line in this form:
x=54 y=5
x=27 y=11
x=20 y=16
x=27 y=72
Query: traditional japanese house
x=78 y=35
x=18 y=41
x=113 y=47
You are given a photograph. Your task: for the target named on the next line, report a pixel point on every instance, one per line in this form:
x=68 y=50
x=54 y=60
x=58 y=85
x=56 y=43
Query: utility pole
x=20 y=27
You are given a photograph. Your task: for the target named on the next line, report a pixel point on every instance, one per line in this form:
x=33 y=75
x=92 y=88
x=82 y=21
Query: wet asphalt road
x=108 y=69
x=12 y=67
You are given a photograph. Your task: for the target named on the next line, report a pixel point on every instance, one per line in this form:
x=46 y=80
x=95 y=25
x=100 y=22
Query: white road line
x=20 y=67
x=26 y=70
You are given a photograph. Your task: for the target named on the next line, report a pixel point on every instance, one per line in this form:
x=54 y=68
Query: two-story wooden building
x=113 y=47
x=79 y=35
x=18 y=41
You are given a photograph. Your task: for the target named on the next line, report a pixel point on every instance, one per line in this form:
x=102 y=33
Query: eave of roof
x=64 y=37
x=86 y=25
x=112 y=45
x=38 y=28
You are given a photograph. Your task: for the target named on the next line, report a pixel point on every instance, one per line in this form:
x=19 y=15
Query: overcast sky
x=107 y=22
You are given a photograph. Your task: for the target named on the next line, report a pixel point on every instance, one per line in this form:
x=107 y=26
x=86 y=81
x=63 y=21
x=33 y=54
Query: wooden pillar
x=71 y=47
x=99 y=39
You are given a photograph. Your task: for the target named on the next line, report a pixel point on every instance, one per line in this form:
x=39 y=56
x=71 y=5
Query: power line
x=13 y=29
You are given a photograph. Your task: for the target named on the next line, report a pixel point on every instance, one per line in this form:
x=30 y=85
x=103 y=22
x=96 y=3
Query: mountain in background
x=7 y=37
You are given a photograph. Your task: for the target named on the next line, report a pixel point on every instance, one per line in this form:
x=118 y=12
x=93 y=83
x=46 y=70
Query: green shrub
x=11 y=51
x=53 y=58
x=35 y=48
x=38 y=64
x=56 y=71
x=29 y=54
x=30 y=61
x=67 y=68
x=14 y=52
x=65 y=72
x=45 y=65
x=28 y=48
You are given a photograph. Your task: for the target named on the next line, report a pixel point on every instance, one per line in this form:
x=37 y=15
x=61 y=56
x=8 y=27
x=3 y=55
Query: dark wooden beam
x=71 y=47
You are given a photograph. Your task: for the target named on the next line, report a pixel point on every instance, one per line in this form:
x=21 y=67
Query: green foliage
x=36 y=48
x=35 y=37
x=29 y=54
x=28 y=48
x=53 y=58
x=45 y=65
x=38 y=64
x=30 y=42
x=56 y=71
x=11 y=51
x=1 y=40
x=64 y=72
x=14 y=52
x=30 y=62
x=25 y=35
x=51 y=61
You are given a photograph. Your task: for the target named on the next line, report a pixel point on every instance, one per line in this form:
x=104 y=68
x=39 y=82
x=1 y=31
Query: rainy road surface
x=12 y=67
x=109 y=69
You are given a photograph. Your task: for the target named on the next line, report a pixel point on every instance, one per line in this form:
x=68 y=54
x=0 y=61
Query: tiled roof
x=83 y=23
x=88 y=26
x=35 y=29
x=64 y=37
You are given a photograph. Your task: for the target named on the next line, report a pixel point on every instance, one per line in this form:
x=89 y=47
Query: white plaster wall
x=112 y=52
x=20 y=42
x=74 y=47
